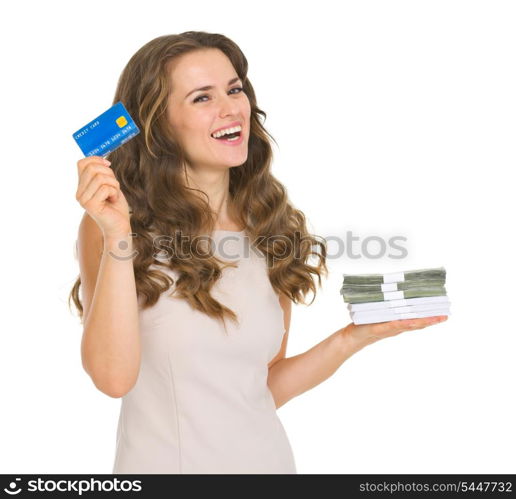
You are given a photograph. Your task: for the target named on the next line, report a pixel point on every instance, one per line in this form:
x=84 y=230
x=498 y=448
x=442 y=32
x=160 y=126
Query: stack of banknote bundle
x=399 y=295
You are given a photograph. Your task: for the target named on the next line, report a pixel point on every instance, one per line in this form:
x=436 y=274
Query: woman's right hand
x=99 y=194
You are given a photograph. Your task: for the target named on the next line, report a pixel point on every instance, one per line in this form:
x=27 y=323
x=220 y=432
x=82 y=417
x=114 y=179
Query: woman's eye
x=240 y=89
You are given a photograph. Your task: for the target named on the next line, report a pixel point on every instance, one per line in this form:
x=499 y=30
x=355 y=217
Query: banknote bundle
x=410 y=294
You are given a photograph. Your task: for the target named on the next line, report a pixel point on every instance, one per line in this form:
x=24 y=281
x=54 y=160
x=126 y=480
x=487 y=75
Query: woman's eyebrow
x=209 y=87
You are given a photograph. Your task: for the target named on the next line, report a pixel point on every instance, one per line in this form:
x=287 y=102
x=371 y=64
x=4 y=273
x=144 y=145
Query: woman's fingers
x=424 y=321
x=99 y=193
x=90 y=160
x=391 y=328
x=88 y=173
x=97 y=181
x=102 y=193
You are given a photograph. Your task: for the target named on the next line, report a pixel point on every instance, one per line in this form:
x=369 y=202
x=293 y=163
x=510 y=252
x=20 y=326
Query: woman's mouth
x=231 y=139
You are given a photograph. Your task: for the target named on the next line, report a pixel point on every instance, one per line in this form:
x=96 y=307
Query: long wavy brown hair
x=150 y=169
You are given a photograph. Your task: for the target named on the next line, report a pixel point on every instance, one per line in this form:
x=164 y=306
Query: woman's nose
x=228 y=105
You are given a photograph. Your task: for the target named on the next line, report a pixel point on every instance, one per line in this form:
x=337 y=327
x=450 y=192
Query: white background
x=392 y=118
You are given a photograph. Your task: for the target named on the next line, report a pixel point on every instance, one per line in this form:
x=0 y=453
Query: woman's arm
x=110 y=345
x=286 y=305
x=291 y=376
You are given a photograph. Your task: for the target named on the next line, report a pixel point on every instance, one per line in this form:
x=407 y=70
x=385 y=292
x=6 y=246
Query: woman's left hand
x=365 y=334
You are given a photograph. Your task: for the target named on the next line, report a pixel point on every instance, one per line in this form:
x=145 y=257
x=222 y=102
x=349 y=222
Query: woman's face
x=195 y=114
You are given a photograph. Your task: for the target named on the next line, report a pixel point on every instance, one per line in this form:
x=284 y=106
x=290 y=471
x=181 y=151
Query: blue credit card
x=107 y=132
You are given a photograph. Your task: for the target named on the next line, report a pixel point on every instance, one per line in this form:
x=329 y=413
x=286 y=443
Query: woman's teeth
x=227 y=132
x=229 y=137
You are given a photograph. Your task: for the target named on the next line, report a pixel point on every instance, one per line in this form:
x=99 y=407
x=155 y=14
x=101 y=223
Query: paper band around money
x=393 y=277
x=393 y=295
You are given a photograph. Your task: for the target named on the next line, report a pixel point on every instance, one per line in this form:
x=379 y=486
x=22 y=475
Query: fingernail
x=106 y=162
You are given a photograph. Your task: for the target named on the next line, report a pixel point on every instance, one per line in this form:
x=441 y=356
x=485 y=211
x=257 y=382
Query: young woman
x=186 y=229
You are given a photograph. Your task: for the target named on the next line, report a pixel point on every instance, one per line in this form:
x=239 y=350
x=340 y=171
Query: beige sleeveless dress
x=201 y=404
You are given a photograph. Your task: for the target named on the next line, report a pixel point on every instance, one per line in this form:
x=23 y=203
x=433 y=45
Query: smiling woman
x=196 y=118
x=196 y=392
